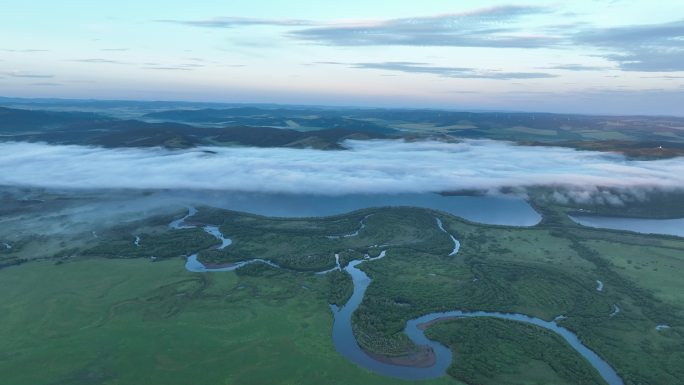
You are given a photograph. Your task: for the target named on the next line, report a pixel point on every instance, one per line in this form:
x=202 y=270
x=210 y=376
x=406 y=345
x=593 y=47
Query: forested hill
x=94 y=129
x=147 y=124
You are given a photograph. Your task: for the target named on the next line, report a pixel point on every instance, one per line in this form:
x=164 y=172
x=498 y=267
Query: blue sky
x=591 y=56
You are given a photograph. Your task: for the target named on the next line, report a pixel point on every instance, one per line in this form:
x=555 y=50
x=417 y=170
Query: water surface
x=457 y=244
x=639 y=225
x=495 y=210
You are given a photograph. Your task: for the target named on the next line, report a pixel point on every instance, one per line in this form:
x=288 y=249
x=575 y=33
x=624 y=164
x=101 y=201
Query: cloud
x=377 y=166
x=575 y=67
x=667 y=77
x=180 y=68
x=99 y=61
x=449 y=72
x=232 y=22
x=646 y=47
x=20 y=74
x=145 y=65
x=485 y=27
x=27 y=50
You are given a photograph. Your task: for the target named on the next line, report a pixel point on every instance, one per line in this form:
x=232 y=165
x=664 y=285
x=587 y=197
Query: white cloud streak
x=378 y=166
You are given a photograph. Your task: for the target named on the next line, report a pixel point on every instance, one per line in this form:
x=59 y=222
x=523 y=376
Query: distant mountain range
x=184 y=125
x=281 y=118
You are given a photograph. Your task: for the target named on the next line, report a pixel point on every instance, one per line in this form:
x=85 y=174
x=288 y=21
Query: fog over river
x=365 y=167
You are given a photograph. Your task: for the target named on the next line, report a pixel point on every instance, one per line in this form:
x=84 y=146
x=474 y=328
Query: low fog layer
x=378 y=166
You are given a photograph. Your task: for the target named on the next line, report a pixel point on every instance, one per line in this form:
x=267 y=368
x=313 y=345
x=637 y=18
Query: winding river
x=362 y=225
x=214 y=230
x=457 y=244
x=346 y=344
x=343 y=334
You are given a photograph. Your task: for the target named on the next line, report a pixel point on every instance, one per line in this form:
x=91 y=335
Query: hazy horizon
x=587 y=57
x=14 y=102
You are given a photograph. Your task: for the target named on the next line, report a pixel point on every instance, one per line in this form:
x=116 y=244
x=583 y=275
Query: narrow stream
x=180 y=223
x=599 y=285
x=362 y=225
x=337 y=266
x=457 y=244
x=195 y=266
x=214 y=230
x=616 y=310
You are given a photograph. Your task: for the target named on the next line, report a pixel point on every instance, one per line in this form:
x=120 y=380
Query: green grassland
x=130 y=321
x=110 y=315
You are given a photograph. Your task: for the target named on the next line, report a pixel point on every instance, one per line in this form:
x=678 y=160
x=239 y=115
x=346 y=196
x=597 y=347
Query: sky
x=367 y=167
x=586 y=56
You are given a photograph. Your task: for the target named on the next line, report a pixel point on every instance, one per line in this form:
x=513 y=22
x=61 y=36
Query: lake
x=496 y=210
x=639 y=225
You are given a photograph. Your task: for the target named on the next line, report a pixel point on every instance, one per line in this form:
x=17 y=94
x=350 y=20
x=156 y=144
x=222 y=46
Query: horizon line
x=38 y=100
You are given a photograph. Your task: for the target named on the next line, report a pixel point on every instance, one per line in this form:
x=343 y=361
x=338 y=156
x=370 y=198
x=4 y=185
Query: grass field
x=131 y=321
x=107 y=314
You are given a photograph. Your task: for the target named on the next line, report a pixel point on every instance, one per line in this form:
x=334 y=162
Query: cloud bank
x=378 y=166
x=484 y=27
x=636 y=47
x=646 y=47
x=231 y=22
x=448 y=72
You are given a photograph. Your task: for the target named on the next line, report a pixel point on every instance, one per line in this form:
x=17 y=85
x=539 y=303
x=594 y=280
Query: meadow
x=128 y=321
x=108 y=314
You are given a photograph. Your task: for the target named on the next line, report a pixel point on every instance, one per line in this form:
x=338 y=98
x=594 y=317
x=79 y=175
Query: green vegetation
x=128 y=321
x=151 y=245
x=656 y=269
x=341 y=287
x=137 y=310
x=499 y=352
x=92 y=129
x=544 y=271
x=634 y=136
x=306 y=245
